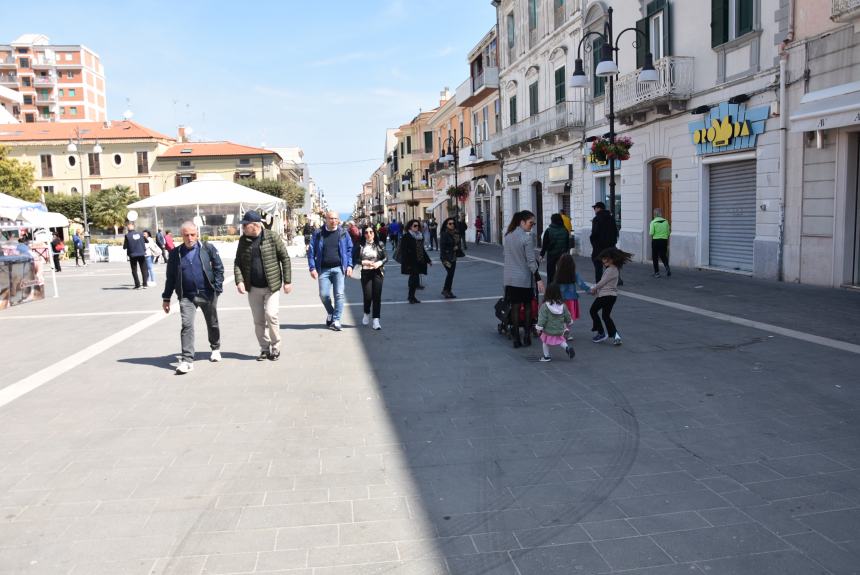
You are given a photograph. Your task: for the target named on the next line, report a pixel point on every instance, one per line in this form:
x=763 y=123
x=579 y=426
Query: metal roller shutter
x=732 y=215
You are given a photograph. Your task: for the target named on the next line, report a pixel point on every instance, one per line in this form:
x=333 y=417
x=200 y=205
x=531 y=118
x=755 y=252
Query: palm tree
x=110 y=207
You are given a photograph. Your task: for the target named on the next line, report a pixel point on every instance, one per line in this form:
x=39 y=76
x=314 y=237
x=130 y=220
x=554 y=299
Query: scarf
x=417 y=235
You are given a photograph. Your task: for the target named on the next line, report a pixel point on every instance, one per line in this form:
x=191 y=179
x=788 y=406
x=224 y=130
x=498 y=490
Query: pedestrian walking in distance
x=659 y=231
x=433 y=228
x=556 y=241
x=369 y=254
x=330 y=261
x=568 y=280
x=606 y=291
x=159 y=241
x=413 y=257
x=553 y=321
x=479 y=229
x=57 y=249
x=195 y=273
x=134 y=245
x=262 y=269
x=80 y=249
x=519 y=273
x=449 y=246
x=152 y=252
x=604 y=234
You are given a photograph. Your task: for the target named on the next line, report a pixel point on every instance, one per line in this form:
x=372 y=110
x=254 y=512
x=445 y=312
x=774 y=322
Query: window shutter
x=719 y=22
x=667 y=29
x=643 y=43
x=176 y=181
x=599 y=83
x=654 y=7
x=745 y=17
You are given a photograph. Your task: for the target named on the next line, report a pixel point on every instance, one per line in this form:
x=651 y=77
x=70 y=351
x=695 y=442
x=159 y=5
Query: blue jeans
x=332 y=278
x=149 y=270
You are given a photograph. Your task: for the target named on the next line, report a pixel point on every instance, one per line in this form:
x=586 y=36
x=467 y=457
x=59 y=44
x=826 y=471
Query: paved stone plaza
x=722 y=437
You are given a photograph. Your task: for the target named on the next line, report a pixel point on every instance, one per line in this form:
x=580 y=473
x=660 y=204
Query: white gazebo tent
x=212 y=190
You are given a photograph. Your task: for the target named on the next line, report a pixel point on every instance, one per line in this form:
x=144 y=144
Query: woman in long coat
x=413 y=257
x=449 y=245
x=520 y=267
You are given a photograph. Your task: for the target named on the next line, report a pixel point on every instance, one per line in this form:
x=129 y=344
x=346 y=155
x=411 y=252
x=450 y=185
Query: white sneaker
x=376 y=323
x=366 y=319
x=216 y=355
x=184 y=367
x=617 y=339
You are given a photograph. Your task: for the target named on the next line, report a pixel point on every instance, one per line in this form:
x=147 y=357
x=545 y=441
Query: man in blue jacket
x=330 y=260
x=135 y=246
x=196 y=274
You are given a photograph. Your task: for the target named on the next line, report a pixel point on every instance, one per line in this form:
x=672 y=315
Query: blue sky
x=327 y=76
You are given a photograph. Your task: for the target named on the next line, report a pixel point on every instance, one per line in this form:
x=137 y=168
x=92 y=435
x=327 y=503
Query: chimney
x=444 y=96
x=183 y=137
x=107 y=124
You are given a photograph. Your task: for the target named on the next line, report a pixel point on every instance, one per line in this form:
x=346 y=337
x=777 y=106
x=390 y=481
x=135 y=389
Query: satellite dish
x=132 y=215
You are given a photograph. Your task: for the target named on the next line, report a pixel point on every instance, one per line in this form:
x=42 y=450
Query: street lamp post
x=74 y=147
x=407 y=177
x=608 y=67
x=453 y=154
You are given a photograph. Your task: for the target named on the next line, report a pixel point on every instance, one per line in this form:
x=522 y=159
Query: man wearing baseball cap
x=604 y=235
x=262 y=269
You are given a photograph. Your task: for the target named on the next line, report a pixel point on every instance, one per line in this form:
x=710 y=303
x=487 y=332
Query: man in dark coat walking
x=604 y=234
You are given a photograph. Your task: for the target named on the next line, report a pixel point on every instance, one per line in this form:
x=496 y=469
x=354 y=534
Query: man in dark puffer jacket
x=262 y=268
x=555 y=243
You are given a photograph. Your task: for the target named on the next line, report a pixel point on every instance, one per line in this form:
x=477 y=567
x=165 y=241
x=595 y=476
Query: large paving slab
x=432 y=446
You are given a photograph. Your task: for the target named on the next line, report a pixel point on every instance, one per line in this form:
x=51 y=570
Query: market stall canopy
x=22 y=213
x=11 y=207
x=211 y=189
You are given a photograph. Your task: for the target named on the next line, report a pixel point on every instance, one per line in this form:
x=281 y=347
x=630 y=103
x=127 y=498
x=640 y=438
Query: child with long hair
x=607 y=292
x=553 y=320
x=568 y=280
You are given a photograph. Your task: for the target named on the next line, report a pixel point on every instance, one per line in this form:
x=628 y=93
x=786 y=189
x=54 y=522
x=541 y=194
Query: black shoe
x=420 y=287
x=517 y=343
x=527 y=340
x=275 y=355
x=570 y=352
x=264 y=355
x=413 y=300
x=668 y=272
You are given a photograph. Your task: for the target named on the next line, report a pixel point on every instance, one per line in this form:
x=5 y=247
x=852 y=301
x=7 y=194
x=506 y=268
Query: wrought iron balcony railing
x=842 y=10
x=676 y=83
x=561 y=117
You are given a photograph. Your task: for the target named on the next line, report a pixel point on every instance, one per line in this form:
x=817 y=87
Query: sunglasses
x=416 y=225
x=368 y=232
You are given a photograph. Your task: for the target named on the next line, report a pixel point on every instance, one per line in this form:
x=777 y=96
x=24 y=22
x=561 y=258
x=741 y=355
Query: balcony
x=40 y=99
x=9 y=80
x=43 y=63
x=49 y=80
x=844 y=10
x=483 y=152
x=675 y=85
x=8 y=62
x=558 y=120
x=475 y=88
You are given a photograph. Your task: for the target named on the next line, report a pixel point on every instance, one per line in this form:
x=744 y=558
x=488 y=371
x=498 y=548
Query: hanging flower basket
x=460 y=193
x=412 y=203
x=603 y=150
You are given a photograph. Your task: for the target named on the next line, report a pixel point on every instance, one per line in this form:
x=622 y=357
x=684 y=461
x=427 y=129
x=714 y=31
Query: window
x=244 y=161
x=533 y=98
x=74 y=190
x=559 y=86
x=142 y=163
x=512 y=39
x=476 y=128
x=730 y=19
x=143 y=189
x=598 y=83
x=61 y=92
x=117 y=159
x=656 y=27
x=95 y=188
x=408 y=144
x=70 y=75
x=95 y=164
x=24 y=63
x=25 y=81
x=497 y=112
x=428 y=142
x=21 y=50
x=68 y=56
x=73 y=111
x=485 y=114
x=47 y=189
x=28 y=100
x=62 y=110
x=515 y=200
x=513 y=109
x=558 y=12
x=184 y=163
x=72 y=92
x=47 y=169
x=29 y=118
x=532 y=15
x=73 y=161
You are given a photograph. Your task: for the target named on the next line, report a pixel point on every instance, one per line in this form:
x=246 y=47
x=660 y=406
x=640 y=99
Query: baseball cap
x=251 y=217
x=600 y=205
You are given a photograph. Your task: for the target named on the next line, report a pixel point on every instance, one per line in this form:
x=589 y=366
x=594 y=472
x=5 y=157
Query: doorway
x=537 y=202
x=661 y=188
x=854 y=197
x=500 y=220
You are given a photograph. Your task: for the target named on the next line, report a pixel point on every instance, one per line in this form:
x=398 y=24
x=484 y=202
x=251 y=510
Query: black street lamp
x=407 y=177
x=453 y=154
x=74 y=147
x=608 y=67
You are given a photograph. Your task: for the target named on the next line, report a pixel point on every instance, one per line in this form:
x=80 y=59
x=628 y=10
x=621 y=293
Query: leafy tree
x=289 y=191
x=16 y=178
x=70 y=206
x=109 y=207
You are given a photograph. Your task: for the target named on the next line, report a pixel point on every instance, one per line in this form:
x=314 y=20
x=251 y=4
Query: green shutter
x=599 y=83
x=719 y=22
x=513 y=114
x=559 y=85
x=533 y=99
x=744 y=17
x=643 y=44
x=654 y=7
x=667 y=29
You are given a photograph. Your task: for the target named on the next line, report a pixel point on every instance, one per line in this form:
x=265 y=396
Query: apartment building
x=9 y=100
x=450 y=125
x=57 y=82
x=128 y=156
x=408 y=184
x=183 y=162
x=705 y=136
x=821 y=123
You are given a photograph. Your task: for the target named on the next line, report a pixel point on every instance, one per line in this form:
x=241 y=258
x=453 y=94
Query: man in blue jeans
x=330 y=260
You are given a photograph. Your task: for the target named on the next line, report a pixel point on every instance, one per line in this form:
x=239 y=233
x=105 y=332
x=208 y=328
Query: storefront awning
x=831 y=108
x=438 y=202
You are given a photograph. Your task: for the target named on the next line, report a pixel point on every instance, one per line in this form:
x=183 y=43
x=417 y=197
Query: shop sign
x=601 y=165
x=515 y=178
x=560 y=173
x=728 y=127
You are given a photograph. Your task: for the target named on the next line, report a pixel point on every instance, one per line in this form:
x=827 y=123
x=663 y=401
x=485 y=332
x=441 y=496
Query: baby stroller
x=503 y=313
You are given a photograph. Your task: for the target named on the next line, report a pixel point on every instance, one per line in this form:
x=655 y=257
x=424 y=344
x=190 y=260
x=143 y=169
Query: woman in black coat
x=413 y=258
x=449 y=245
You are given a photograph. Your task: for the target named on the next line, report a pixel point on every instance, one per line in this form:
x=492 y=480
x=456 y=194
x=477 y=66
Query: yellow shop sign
x=721 y=133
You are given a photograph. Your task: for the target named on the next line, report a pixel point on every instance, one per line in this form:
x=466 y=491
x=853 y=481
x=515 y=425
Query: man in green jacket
x=262 y=268
x=659 y=231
